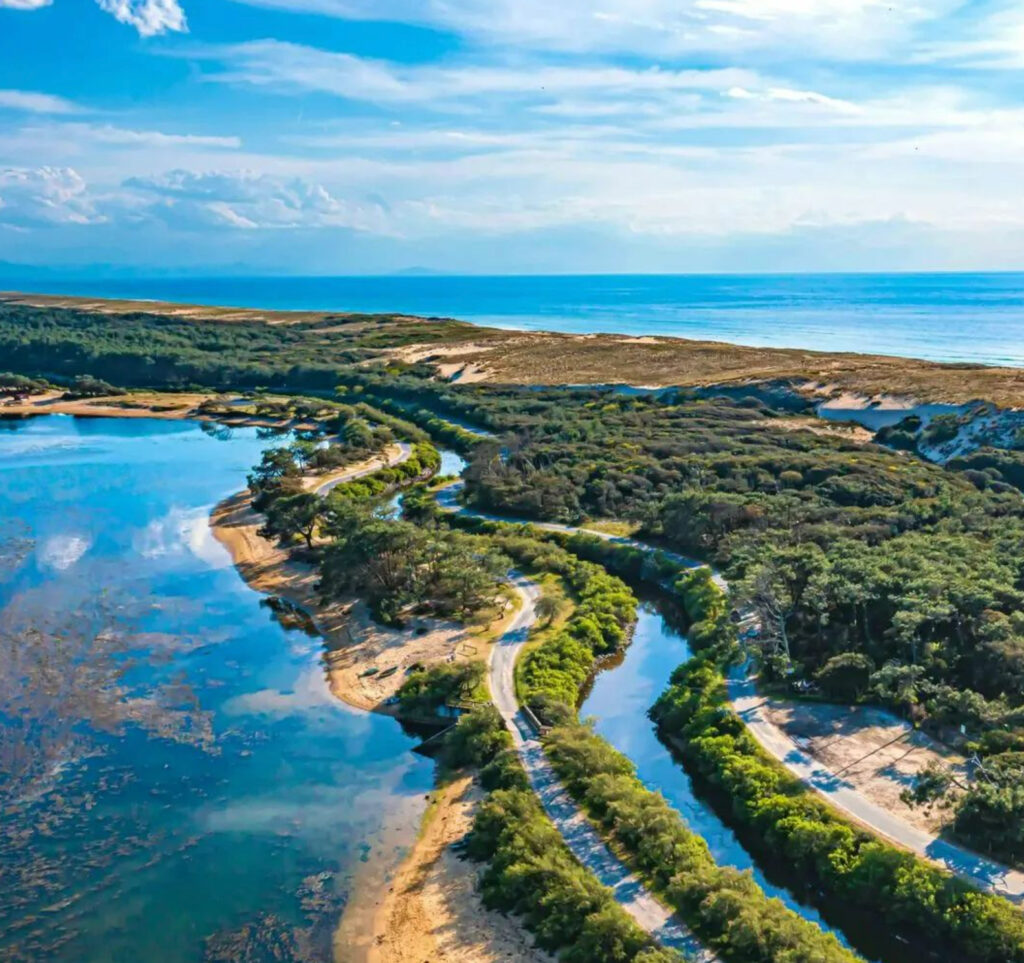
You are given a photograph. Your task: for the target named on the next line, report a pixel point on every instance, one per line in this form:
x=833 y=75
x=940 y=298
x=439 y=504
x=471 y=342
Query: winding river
x=176 y=781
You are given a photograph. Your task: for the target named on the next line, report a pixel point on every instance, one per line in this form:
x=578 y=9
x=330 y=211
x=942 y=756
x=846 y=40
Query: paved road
x=579 y=834
x=403 y=454
x=986 y=874
x=448 y=499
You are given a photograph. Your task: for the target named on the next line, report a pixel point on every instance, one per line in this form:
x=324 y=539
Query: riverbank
x=433 y=910
x=165 y=406
x=354 y=643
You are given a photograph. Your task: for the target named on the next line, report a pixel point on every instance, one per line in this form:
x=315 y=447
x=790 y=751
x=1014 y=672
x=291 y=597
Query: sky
x=511 y=136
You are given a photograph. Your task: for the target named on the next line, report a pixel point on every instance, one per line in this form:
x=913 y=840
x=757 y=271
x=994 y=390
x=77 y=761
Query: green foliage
x=532 y=874
x=910 y=895
x=845 y=677
x=552 y=674
x=930 y=785
x=11 y=383
x=990 y=815
x=86 y=386
x=423 y=462
x=396 y=565
x=150 y=350
x=293 y=516
x=427 y=690
x=727 y=909
x=481 y=739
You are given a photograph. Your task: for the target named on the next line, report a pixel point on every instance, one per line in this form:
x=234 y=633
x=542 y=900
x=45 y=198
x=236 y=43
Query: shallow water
x=940 y=317
x=176 y=782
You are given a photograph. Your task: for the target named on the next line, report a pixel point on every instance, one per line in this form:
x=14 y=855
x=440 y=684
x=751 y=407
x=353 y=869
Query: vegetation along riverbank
x=876 y=565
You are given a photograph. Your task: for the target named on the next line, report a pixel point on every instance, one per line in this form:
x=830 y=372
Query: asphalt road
x=986 y=874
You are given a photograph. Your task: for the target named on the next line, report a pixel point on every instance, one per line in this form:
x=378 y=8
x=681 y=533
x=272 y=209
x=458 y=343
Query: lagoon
x=177 y=781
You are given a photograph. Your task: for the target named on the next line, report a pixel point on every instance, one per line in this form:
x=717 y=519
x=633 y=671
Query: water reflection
x=176 y=782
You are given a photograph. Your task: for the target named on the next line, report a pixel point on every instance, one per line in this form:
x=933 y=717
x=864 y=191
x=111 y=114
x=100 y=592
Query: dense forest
x=154 y=350
x=877 y=575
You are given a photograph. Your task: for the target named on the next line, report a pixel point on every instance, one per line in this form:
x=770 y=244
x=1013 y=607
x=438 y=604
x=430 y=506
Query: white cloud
x=821 y=28
x=24 y=4
x=35 y=103
x=786 y=95
x=44 y=197
x=249 y=201
x=60 y=552
x=291 y=67
x=149 y=17
x=121 y=136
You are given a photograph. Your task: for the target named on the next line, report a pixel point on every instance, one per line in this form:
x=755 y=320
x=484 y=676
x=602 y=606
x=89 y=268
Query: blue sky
x=506 y=136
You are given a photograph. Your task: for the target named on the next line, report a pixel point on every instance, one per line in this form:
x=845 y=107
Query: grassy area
x=272 y=340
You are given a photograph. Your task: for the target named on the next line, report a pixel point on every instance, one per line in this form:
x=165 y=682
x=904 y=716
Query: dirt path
x=579 y=834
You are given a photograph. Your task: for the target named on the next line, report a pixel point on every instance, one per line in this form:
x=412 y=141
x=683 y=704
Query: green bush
x=909 y=894
x=532 y=874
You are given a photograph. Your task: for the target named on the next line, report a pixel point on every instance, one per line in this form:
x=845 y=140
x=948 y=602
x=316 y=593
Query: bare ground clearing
x=873 y=750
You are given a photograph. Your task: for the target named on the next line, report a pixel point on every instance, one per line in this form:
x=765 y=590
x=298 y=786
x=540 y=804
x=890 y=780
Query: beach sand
x=432 y=910
x=354 y=643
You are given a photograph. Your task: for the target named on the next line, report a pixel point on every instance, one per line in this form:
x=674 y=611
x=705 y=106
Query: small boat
x=373 y=670
x=388 y=672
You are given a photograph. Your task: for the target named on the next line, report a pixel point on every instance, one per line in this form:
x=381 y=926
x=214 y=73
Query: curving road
x=580 y=836
x=403 y=454
x=986 y=874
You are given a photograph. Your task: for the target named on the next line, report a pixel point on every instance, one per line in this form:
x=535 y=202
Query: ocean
x=976 y=318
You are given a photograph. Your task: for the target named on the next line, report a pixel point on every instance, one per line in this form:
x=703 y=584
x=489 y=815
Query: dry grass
x=513 y=357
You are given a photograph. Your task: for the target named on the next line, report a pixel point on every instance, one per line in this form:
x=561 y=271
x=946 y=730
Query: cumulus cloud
x=250 y=201
x=44 y=197
x=149 y=17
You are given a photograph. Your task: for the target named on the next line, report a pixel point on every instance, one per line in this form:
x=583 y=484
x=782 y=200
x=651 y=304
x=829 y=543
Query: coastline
x=429 y=907
x=352 y=641
x=432 y=910
x=479 y=353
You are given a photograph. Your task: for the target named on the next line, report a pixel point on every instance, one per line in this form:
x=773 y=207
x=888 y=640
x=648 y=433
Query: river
x=176 y=781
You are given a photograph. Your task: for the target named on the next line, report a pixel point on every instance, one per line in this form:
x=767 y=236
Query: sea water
x=940 y=317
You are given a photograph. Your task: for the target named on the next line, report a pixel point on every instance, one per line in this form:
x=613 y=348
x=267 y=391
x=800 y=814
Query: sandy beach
x=432 y=910
x=354 y=642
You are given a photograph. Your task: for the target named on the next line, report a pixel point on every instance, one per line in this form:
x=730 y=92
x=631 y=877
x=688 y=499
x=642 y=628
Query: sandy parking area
x=873 y=750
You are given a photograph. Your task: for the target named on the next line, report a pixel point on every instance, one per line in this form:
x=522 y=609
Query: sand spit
x=354 y=643
x=432 y=910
